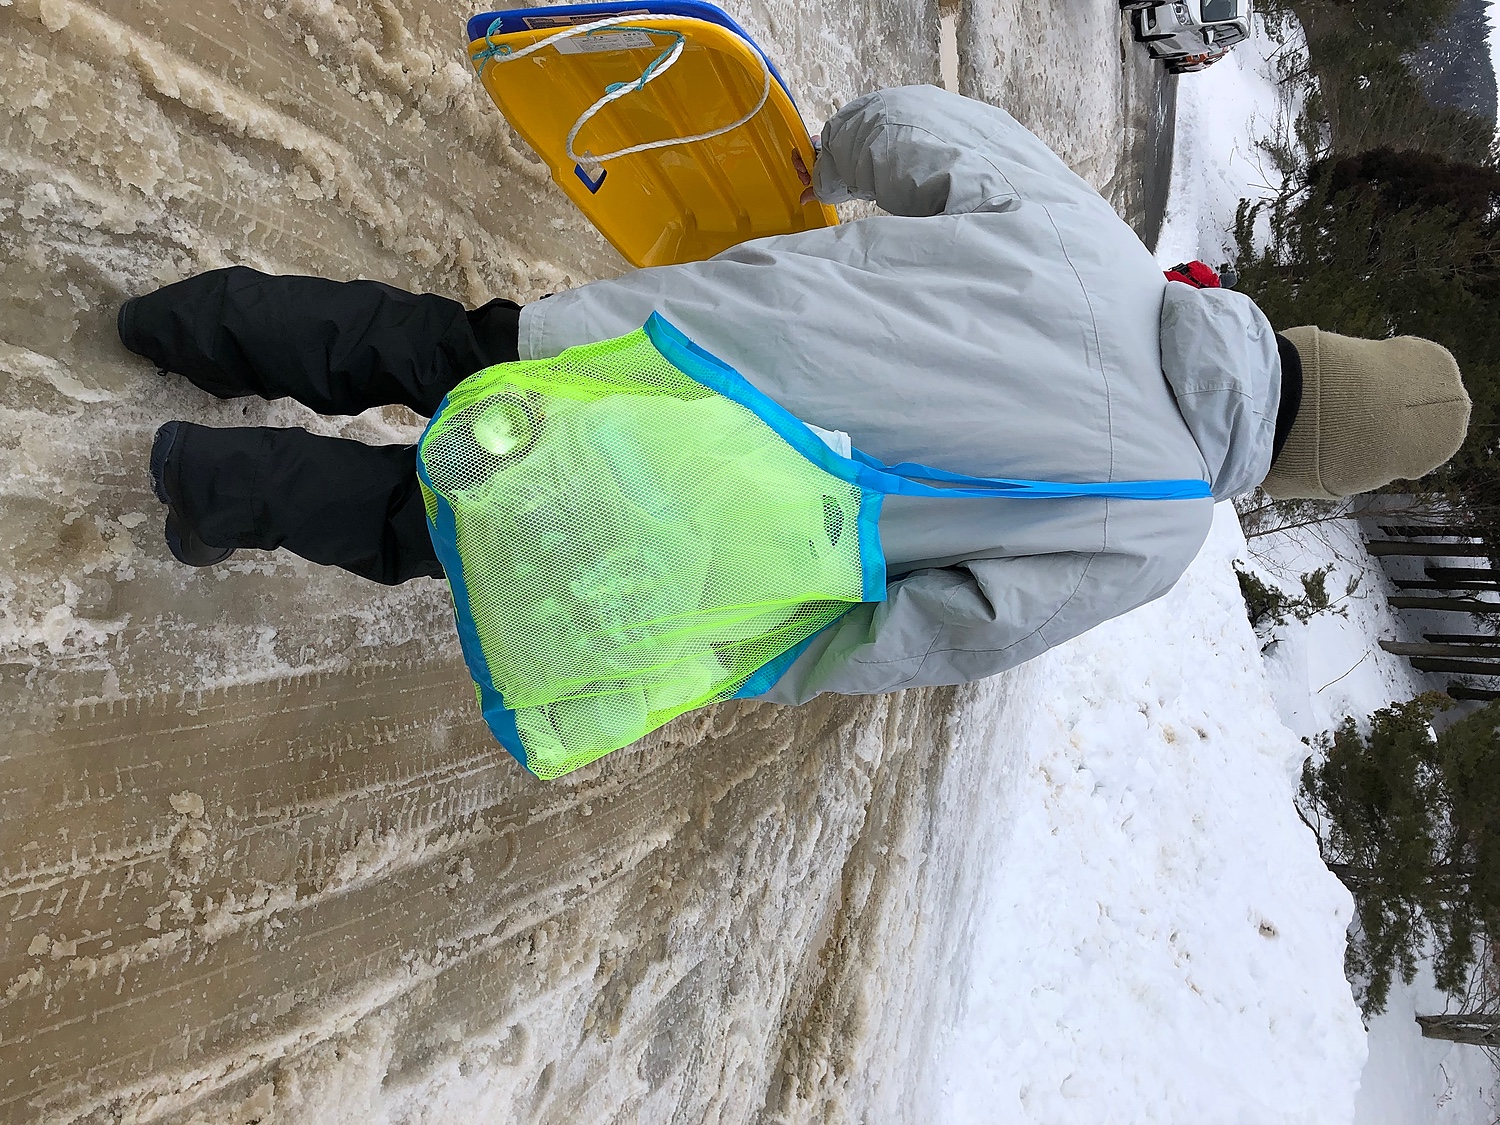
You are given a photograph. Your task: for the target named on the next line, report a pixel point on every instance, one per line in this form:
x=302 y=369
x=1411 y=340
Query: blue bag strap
x=875 y=476
x=905 y=480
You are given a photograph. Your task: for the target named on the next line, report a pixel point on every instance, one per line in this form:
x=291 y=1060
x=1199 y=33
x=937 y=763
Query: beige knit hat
x=1372 y=411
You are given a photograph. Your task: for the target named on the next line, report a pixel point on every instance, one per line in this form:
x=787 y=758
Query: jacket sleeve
x=919 y=151
x=962 y=623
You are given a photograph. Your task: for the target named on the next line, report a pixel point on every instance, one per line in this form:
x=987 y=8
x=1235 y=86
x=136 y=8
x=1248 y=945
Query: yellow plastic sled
x=663 y=122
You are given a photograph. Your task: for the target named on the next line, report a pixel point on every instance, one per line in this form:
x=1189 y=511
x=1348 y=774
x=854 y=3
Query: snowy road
x=257 y=859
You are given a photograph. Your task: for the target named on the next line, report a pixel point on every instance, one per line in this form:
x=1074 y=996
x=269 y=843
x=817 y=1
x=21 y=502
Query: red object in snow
x=1196 y=274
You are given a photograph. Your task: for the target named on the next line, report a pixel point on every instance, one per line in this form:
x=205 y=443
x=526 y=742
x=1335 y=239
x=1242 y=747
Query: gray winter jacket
x=1001 y=320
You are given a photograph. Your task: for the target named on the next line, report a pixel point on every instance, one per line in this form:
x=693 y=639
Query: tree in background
x=1410 y=823
x=1399 y=181
x=1368 y=93
x=1380 y=243
x=1387 y=221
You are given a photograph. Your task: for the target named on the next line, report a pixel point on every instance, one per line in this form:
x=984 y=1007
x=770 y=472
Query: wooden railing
x=1447 y=589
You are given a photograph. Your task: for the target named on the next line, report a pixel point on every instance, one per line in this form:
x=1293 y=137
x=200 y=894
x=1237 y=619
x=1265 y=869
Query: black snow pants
x=339 y=348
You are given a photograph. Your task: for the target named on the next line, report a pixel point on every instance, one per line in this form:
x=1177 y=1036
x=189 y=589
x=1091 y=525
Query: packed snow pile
x=259 y=861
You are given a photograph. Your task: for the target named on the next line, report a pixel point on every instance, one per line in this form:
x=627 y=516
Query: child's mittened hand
x=804 y=175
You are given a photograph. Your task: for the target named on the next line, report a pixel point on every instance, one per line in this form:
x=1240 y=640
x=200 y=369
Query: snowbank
x=1332 y=666
x=1160 y=941
x=1319 y=672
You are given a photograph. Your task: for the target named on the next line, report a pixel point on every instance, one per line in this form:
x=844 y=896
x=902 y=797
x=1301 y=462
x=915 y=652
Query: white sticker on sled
x=617 y=41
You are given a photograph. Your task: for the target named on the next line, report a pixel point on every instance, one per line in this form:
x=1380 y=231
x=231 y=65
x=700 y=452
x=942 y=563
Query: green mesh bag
x=630 y=530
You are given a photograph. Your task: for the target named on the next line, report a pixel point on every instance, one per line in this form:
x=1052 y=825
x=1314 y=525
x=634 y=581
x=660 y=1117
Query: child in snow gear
x=631 y=530
x=1000 y=323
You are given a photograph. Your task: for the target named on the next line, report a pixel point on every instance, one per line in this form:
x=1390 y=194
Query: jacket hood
x=1218 y=352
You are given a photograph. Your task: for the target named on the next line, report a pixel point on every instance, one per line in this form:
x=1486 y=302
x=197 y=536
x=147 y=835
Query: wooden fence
x=1460 y=588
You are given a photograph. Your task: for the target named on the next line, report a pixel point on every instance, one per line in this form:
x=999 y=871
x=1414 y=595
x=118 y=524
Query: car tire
x=1137 y=5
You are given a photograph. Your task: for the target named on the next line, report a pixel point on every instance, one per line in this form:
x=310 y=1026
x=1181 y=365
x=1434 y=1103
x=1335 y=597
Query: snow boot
x=182 y=541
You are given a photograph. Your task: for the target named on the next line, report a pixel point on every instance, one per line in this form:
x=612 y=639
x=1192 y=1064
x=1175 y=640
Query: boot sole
x=161 y=449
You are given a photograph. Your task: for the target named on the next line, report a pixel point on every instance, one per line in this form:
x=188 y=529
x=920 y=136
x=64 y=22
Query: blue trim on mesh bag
x=764 y=678
x=876 y=476
x=904 y=480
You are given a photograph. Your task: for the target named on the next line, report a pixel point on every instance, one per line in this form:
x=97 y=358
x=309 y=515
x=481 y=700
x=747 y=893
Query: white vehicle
x=1172 y=29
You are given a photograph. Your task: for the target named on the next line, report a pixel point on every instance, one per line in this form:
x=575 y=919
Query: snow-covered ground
x=1409 y=1080
x=1318 y=673
x=1161 y=941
